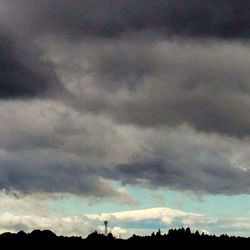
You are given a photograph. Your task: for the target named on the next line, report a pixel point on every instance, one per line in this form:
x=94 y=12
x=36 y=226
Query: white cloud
x=126 y=223
x=165 y=214
x=61 y=226
x=31 y=204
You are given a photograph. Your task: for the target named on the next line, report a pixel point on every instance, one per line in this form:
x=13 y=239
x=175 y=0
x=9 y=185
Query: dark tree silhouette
x=174 y=236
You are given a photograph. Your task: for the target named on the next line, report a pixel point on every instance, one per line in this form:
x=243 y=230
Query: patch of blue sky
x=153 y=224
x=214 y=205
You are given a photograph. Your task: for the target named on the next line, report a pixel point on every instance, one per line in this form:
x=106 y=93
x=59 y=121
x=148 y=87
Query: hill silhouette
x=176 y=237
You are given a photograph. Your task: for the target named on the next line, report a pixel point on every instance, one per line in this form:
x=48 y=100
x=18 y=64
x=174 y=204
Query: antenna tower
x=106 y=228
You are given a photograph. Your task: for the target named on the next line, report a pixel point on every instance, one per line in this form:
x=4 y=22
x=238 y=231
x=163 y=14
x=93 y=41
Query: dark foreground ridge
x=174 y=237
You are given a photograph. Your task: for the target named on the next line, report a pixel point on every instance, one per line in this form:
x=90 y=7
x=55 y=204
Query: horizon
x=152 y=234
x=132 y=111
x=118 y=219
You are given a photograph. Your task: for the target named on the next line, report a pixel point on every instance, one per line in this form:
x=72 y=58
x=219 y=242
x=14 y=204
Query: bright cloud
x=125 y=223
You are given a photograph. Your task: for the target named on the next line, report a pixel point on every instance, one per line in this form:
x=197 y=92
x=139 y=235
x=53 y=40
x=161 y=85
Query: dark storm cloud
x=51 y=178
x=139 y=81
x=29 y=76
x=204 y=179
x=28 y=176
x=225 y=18
x=23 y=73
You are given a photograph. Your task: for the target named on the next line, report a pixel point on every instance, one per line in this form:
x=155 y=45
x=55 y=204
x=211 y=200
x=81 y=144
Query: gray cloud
x=56 y=150
x=156 y=82
x=24 y=74
x=202 y=83
x=85 y=155
x=125 y=76
x=51 y=126
x=183 y=160
x=108 y=18
x=203 y=179
x=27 y=175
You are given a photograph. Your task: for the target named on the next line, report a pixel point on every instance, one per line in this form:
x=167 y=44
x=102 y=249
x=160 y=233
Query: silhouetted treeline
x=38 y=238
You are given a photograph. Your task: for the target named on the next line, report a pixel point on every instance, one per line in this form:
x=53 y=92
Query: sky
x=131 y=111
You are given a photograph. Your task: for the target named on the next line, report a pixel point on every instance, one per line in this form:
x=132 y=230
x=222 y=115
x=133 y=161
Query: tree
x=158 y=234
x=188 y=231
x=110 y=236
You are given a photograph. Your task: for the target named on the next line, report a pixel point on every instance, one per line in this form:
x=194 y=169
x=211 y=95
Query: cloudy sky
x=132 y=111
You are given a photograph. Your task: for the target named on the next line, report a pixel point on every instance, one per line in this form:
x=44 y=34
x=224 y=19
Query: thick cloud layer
x=204 y=84
x=183 y=160
x=151 y=93
x=212 y=179
x=26 y=75
x=226 y=18
x=55 y=149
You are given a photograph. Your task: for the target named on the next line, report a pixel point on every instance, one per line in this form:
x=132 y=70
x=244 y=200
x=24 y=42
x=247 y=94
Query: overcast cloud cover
x=144 y=93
